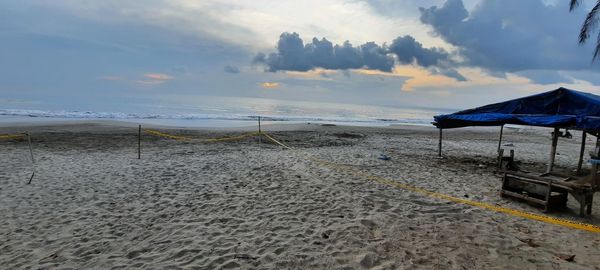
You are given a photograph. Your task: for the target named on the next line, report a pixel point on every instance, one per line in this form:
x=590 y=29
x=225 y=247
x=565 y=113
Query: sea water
x=229 y=111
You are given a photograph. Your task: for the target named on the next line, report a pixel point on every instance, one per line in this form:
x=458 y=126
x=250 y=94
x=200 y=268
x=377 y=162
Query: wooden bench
x=547 y=190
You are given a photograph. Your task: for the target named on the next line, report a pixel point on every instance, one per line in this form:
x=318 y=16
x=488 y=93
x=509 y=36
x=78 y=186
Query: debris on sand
x=348 y=135
x=384 y=157
x=529 y=242
x=568 y=258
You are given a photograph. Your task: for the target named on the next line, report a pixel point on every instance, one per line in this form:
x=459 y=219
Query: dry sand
x=238 y=204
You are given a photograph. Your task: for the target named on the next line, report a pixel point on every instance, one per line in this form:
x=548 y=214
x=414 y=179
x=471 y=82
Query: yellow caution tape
x=185 y=138
x=165 y=135
x=231 y=138
x=518 y=213
x=276 y=141
x=12 y=136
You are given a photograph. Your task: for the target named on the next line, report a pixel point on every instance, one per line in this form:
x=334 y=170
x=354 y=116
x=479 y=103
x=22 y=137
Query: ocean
x=229 y=111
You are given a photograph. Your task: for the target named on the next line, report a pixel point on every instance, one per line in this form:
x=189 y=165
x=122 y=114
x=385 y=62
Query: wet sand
x=241 y=204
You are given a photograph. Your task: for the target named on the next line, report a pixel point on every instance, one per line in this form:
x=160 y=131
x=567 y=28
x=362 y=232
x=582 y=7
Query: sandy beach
x=240 y=204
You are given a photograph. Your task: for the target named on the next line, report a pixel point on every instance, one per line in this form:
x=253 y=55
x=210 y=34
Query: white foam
x=62 y=114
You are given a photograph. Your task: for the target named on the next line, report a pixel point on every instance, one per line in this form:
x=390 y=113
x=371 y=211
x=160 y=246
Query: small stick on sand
x=31 y=178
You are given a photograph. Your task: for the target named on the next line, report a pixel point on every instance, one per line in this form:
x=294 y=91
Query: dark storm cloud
x=293 y=55
x=512 y=35
x=407 y=49
x=437 y=60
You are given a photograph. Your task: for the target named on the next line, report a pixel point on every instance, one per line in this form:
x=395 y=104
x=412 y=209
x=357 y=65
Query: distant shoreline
x=8 y=121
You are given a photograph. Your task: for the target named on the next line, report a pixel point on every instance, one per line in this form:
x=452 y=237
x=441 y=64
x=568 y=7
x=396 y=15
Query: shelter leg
x=590 y=201
x=440 y=145
x=500 y=140
x=581 y=152
x=500 y=157
x=597 y=150
x=139 y=141
x=553 y=150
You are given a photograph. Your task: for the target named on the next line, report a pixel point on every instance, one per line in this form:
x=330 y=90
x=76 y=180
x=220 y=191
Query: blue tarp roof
x=562 y=107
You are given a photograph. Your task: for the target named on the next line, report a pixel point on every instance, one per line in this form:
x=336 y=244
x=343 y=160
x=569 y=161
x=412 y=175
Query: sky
x=108 y=54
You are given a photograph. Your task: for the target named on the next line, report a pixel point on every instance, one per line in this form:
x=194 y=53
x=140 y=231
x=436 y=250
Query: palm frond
x=574 y=4
x=597 y=50
x=590 y=23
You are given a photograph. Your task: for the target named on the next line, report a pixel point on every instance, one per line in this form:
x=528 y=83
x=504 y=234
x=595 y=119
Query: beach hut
x=558 y=109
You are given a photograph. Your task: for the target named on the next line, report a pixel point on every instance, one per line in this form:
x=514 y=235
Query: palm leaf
x=574 y=4
x=590 y=23
x=597 y=50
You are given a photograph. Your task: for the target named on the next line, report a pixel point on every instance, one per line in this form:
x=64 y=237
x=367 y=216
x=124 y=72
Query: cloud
x=149 y=82
x=147 y=79
x=154 y=79
x=158 y=76
x=231 y=69
x=408 y=50
x=112 y=78
x=546 y=76
x=293 y=55
x=269 y=85
x=439 y=61
x=243 y=23
x=512 y=35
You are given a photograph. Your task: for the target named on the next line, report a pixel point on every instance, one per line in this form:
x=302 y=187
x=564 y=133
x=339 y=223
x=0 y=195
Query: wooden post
x=581 y=152
x=440 y=145
x=30 y=148
x=500 y=157
x=553 y=150
x=500 y=140
x=259 y=131
x=597 y=150
x=512 y=157
x=139 y=141
x=32 y=159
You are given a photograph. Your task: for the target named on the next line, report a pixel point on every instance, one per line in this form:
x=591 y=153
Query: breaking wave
x=191 y=116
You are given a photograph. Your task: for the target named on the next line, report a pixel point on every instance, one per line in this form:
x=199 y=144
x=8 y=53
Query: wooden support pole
x=581 y=152
x=500 y=157
x=32 y=158
x=30 y=148
x=259 y=131
x=140 y=142
x=512 y=157
x=500 y=140
x=440 y=145
x=597 y=150
x=553 y=150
